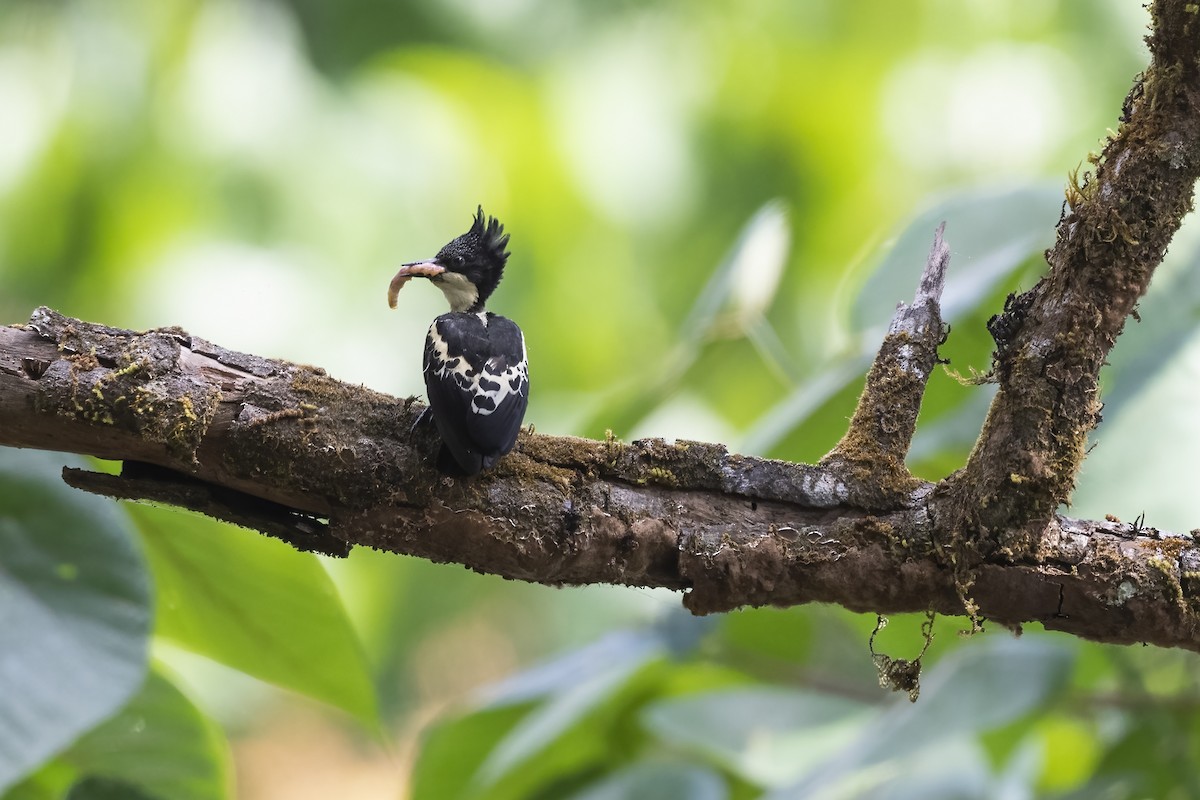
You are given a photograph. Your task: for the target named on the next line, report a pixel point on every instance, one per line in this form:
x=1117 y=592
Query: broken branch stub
x=872 y=452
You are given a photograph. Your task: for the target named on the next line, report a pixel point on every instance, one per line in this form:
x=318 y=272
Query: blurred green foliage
x=714 y=208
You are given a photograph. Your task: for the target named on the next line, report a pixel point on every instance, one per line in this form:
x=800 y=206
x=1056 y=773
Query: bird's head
x=467 y=270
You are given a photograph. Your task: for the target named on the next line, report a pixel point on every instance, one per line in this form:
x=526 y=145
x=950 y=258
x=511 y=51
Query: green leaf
x=955 y=431
x=658 y=782
x=159 y=743
x=735 y=296
x=976 y=688
x=50 y=782
x=768 y=736
x=509 y=749
x=1159 y=420
x=256 y=605
x=745 y=281
x=1149 y=396
x=955 y=770
x=1072 y=750
x=801 y=742
x=777 y=633
x=453 y=749
x=594 y=660
x=1154 y=756
x=550 y=721
x=804 y=401
x=578 y=732
x=74 y=611
x=1171 y=310
x=93 y=788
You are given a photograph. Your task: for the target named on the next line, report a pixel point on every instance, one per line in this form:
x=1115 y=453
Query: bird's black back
x=477 y=379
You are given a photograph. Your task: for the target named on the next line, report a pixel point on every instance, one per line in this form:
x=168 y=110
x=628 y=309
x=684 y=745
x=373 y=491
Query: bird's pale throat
x=460 y=293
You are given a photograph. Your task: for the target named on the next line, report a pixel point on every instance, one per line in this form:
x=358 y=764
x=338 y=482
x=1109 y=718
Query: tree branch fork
x=285 y=449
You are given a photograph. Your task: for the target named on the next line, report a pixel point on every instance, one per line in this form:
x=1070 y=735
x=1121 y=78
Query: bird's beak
x=417 y=269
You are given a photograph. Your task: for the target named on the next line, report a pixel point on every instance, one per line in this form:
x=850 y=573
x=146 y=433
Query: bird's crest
x=490 y=236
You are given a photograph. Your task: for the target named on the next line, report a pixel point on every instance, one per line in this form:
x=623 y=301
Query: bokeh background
x=714 y=208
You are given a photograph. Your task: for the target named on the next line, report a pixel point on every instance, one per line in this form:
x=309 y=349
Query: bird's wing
x=478 y=385
x=447 y=386
x=502 y=390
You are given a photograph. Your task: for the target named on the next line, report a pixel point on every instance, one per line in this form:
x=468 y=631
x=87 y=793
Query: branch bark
x=1052 y=340
x=287 y=450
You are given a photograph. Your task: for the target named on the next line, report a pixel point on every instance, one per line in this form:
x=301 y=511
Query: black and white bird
x=476 y=373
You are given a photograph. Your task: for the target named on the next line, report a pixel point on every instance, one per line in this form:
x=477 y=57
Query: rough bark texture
x=287 y=450
x=1052 y=340
x=872 y=452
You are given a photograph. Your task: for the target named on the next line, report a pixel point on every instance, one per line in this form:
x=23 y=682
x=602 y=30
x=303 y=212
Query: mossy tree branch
x=1052 y=340
x=287 y=450
x=871 y=454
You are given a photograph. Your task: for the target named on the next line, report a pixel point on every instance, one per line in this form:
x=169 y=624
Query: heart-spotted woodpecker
x=476 y=373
